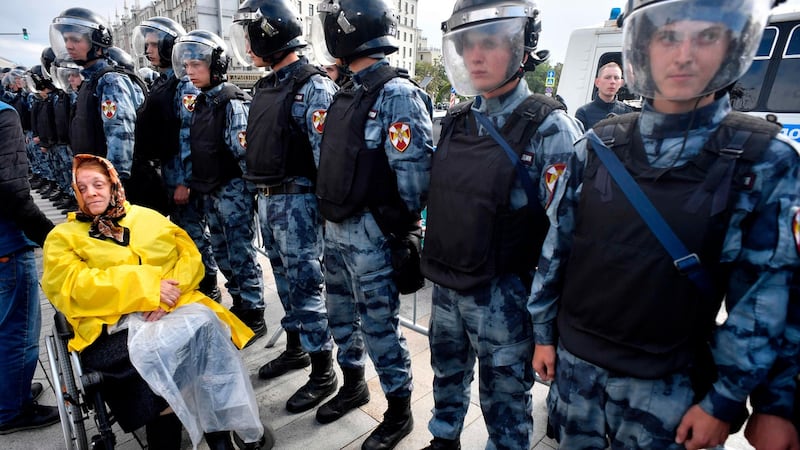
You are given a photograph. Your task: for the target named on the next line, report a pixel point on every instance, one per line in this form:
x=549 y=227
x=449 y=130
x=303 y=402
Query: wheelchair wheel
x=68 y=397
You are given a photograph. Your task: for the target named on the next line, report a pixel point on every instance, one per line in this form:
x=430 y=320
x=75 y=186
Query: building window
x=311 y=9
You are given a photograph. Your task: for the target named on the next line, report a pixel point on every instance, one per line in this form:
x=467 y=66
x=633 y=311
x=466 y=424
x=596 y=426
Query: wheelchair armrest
x=63 y=328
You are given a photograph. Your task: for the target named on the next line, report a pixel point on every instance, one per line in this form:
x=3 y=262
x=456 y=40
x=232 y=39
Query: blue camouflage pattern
x=230 y=215
x=759 y=248
x=127 y=96
x=362 y=299
x=491 y=321
x=291 y=226
x=591 y=408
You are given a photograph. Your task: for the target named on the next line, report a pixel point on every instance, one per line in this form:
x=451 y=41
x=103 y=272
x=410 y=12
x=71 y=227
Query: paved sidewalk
x=301 y=431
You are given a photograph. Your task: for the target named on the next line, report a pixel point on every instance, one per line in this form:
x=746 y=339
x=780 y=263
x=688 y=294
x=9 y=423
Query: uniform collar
x=357 y=77
x=604 y=104
x=506 y=102
x=94 y=68
x=214 y=91
x=285 y=72
x=656 y=125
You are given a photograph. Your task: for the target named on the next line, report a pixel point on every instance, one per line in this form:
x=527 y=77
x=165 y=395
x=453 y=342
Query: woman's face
x=94 y=188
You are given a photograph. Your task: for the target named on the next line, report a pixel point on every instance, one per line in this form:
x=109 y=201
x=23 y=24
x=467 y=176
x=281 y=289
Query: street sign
x=549 y=82
x=551 y=74
x=548 y=90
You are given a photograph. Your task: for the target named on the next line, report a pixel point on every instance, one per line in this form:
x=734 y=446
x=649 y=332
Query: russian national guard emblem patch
x=242 y=139
x=318 y=120
x=109 y=108
x=188 y=102
x=400 y=135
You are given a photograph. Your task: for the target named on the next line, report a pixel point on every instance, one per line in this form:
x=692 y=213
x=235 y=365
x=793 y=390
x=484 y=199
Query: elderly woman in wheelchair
x=126 y=278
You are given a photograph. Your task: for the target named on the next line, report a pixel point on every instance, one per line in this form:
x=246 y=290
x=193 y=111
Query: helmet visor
x=240 y=41
x=70 y=40
x=67 y=78
x=482 y=57
x=146 y=43
x=678 y=50
x=189 y=53
x=31 y=84
x=317 y=38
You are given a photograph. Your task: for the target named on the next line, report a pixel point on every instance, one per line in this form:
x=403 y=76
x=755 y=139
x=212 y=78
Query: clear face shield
x=240 y=40
x=188 y=54
x=482 y=57
x=146 y=40
x=31 y=84
x=318 y=45
x=70 y=38
x=681 y=50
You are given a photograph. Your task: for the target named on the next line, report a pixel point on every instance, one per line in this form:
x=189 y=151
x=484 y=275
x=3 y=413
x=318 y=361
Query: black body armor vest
x=43 y=121
x=631 y=311
x=20 y=103
x=86 y=132
x=213 y=164
x=351 y=176
x=472 y=233
x=62 y=115
x=158 y=125
x=281 y=149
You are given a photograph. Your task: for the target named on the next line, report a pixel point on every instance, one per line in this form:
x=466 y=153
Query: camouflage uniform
x=229 y=212
x=118 y=121
x=362 y=299
x=764 y=253
x=291 y=225
x=491 y=321
x=176 y=170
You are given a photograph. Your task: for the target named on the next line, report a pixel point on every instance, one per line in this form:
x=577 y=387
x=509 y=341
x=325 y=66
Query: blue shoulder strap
x=686 y=263
x=4 y=105
x=522 y=174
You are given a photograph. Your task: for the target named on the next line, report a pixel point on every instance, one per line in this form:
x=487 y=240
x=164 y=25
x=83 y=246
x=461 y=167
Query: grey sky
x=559 y=18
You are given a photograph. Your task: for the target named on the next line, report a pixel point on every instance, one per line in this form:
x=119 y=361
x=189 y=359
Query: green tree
x=536 y=79
x=439 y=86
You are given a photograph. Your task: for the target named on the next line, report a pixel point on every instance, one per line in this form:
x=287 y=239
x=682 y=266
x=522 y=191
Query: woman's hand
x=152 y=316
x=169 y=292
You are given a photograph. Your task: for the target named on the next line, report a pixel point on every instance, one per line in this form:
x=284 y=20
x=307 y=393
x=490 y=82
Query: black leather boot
x=354 y=393
x=219 y=440
x=443 y=444
x=397 y=424
x=267 y=441
x=208 y=286
x=164 y=433
x=293 y=358
x=253 y=318
x=321 y=383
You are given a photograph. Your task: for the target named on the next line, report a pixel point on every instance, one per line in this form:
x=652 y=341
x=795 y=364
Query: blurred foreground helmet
x=268 y=28
x=479 y=26
x=200 y=45
x=80 y=25
x=148 y=75
x=36 y=80
x=14 y=80
x=121 y=58
x=678 y=29
x=356 y=28
x=161 y=31
x=47 y=58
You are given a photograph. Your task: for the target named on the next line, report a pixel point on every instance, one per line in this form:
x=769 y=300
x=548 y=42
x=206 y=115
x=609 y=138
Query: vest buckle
x=687 y=263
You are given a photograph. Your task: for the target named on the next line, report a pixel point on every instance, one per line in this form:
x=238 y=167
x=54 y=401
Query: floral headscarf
x=105 y=225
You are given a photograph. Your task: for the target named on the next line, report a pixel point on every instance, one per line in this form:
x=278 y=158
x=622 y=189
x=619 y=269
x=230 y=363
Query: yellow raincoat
x=95 y=282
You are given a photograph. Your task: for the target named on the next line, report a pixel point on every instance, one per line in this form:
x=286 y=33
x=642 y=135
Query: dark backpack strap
x=455 y=113
x=526 y=118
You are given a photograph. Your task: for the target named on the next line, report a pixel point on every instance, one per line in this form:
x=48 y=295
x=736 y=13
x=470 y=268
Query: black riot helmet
x=355 y=28
x=270 y=28
x=36 y=80
x=203 y=46
x=47 y=58
x=512 y=24
x=80 y=23
x=165 y=30
x=120 y=57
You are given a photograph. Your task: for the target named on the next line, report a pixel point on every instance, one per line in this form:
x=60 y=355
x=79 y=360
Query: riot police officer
x=217 y=136
x=483 y=238
x=714 y=200
x=372 y=184
x=162 y=134
x=284 y=130
x=105 y=113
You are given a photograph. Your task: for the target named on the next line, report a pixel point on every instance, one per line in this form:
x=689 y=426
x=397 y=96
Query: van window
x=785 y=94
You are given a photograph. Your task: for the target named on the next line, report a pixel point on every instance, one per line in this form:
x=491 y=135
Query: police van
x=769 y=89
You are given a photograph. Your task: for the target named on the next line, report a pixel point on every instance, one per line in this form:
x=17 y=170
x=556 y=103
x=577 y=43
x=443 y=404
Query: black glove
x=405 y=261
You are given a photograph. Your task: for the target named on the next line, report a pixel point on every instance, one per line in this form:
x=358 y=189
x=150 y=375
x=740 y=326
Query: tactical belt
x=286 y=188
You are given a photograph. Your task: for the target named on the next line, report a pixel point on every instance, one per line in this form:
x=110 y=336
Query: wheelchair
x=77 y=394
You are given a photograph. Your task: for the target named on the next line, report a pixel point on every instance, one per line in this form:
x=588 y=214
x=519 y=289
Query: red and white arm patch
x=400 y=136
x=108 y=108
x=318 y=120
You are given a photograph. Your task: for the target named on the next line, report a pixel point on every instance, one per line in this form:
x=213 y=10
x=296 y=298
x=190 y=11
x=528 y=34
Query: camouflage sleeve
x=404 y=130
x=119 y=98
x=560 y=210
x=761 y=246
x=236 y=130
x=310 y=113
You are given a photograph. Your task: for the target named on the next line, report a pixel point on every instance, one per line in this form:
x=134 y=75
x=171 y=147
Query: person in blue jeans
x=22 y=227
